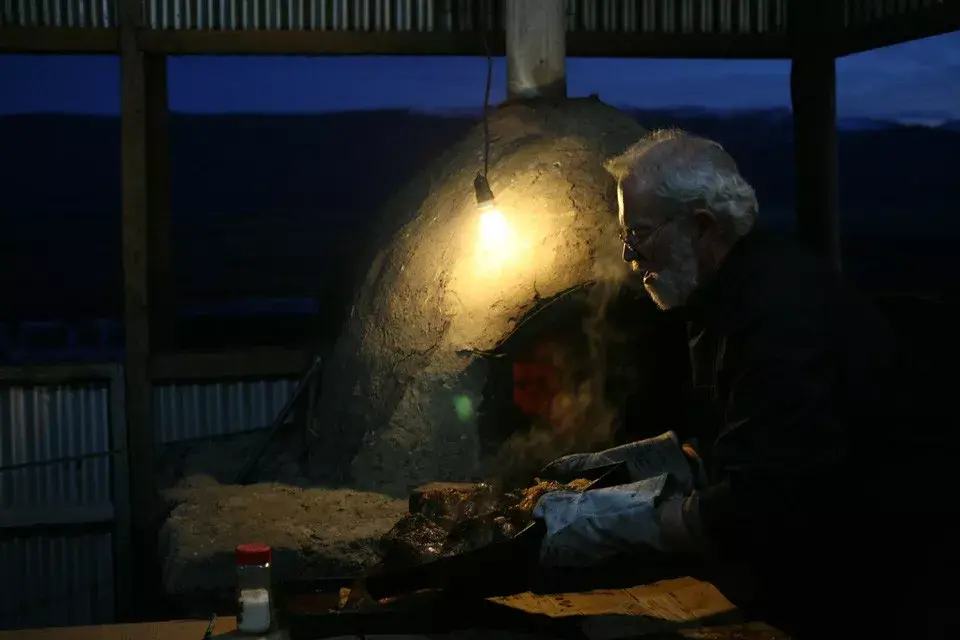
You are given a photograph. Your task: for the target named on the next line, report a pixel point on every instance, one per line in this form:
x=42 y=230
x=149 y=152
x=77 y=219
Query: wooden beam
x=536 y=49
x=579 y=44
x=224 y=627
x=58 y=40
x=912 y=25
x=135 y=250
x=57 y=374
x=56 y=515
x=237 y=42
x=590 y=44
x=249 y=363
x=123 y=551
x=135 y=237
x=159 y=249
x=813 y=81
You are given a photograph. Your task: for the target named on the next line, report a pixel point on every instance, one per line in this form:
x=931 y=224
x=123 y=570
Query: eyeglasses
x=634 y=239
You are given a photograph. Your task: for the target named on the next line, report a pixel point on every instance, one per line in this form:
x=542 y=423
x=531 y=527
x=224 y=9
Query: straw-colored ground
x=314 y=532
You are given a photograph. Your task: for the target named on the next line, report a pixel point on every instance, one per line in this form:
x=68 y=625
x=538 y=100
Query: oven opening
x=582 y=371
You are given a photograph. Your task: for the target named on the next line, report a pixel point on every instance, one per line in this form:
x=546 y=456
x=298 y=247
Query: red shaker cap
x=252 y=553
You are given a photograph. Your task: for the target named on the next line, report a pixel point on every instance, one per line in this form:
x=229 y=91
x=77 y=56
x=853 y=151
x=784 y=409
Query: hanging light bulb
x=495 y=239
x=485 y=198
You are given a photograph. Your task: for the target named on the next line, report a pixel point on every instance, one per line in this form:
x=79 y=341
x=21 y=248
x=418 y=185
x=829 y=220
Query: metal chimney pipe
x=536 y=33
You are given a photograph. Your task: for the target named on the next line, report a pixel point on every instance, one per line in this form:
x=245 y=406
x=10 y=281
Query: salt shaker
x=254 y=597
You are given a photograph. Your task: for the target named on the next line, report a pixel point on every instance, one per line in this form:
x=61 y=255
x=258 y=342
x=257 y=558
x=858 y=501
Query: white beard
x=672 y=286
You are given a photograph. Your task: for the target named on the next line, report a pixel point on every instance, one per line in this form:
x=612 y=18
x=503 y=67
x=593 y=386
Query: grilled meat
x=452 y=518
x=413 y=540
x=453 y=501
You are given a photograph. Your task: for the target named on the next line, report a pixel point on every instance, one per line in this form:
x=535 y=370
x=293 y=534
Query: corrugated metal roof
x=59 y=13
x=641 y=16
x=862 y=12
x=334 y=15
x=678 y=16
x=645 y=16
x=61 y=580
x=190 y=411
x=733 y=28
x=54 y=445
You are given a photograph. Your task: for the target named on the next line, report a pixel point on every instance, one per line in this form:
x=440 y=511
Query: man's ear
x=706 y=225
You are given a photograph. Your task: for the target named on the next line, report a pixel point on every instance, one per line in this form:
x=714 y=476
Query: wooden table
x=677 y=609
x=167 y=630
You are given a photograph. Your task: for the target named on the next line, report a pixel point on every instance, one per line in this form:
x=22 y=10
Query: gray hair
x=685 y=169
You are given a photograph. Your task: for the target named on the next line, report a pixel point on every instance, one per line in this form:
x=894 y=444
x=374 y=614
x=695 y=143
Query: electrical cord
x=486 y=104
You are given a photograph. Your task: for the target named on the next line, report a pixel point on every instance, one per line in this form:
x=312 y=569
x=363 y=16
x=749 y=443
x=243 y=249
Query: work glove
x=643 y=459
x=585 y=529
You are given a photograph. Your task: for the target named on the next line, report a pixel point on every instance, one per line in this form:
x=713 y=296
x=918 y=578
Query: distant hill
x=273 y=205
x=953 y=125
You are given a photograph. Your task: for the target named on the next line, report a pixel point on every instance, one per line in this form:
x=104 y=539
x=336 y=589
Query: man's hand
x=568 y=467
x=587 y=528
x=644 y=459
x=696 y=463
x=678 y=518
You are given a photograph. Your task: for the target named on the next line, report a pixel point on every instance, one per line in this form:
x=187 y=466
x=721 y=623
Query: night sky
x=916 y=81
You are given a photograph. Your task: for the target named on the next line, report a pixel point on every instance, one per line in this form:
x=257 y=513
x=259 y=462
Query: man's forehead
x=638 y=212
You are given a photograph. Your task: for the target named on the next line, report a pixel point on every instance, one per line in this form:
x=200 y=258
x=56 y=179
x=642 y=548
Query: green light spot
x=464 y=407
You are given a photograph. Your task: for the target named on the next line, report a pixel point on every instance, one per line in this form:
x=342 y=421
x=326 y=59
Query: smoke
x=584 y=414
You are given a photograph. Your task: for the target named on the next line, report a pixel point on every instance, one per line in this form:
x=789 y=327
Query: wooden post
x=135 y=234
x=123 y=525
x=159 y=248
x=813 y=83
x=536 y=49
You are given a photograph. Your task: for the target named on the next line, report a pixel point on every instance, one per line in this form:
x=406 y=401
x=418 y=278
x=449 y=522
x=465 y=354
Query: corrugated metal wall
x=60 y=580
x=54 y=455
x=191 y=411
x=55 y=452
x=54 y=446
x=646 y=16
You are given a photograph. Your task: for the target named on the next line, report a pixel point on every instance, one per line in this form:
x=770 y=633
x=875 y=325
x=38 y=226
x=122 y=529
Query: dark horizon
x=918 y=80
x=293 y=192
x=926 y=119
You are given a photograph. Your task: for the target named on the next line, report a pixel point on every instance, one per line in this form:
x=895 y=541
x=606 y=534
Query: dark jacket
x=789 y=371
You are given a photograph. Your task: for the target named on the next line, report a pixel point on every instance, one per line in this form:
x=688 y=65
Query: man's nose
x=629 y=255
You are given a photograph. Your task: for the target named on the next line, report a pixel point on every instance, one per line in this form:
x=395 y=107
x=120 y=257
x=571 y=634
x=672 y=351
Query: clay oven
x=406 y=397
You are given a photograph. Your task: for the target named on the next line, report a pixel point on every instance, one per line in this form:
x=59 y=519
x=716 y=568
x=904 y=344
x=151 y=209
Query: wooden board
x=679 y=608
x=167 y=630
x=681 y=599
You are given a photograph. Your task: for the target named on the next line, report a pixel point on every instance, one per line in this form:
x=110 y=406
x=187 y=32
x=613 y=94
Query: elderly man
x=789 y=374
